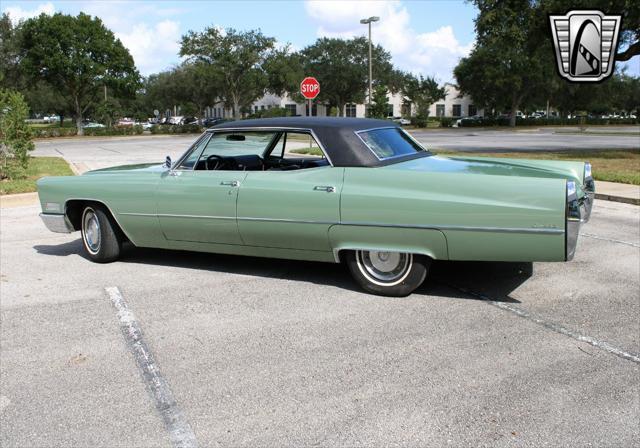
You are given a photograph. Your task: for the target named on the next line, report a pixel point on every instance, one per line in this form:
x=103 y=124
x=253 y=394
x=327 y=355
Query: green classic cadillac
x=374 y=199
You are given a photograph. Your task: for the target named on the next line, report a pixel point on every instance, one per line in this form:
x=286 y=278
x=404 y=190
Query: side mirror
x=167 y=162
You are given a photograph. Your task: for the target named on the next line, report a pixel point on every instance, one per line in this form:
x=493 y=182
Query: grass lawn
x=621 y=166
x=38 y=167
x=67 y=124
x=313 y=151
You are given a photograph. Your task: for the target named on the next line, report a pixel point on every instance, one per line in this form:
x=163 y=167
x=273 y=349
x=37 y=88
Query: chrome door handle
x=327 y=188
x=174 y=173
x=230 y=183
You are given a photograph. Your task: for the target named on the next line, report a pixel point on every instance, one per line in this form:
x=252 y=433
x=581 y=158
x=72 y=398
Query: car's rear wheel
x=395 y=274
x=100 y=235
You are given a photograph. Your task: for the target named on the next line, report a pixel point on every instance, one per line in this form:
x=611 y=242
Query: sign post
x=309 y=88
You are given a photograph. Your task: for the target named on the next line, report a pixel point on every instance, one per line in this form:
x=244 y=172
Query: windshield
x=388 y=143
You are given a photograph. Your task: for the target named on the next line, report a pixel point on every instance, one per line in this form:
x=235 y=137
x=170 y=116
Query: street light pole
x=368 y=22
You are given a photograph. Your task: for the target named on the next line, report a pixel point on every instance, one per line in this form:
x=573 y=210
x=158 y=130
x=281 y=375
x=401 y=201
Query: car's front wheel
x=395 y=274
x=100 y=236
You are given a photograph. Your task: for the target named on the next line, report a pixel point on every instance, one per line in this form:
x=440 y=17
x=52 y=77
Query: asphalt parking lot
x=261 y=352
x=534 y=139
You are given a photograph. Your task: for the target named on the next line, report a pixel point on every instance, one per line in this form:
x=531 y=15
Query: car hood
x=495 y=166
x=140 y=167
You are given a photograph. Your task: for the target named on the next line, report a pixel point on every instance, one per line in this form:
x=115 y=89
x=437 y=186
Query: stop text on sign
x=310 y=87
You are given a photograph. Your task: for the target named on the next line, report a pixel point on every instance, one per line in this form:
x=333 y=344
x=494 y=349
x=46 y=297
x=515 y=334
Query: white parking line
x=611 y=240
x=552 y=326
x=180 y=431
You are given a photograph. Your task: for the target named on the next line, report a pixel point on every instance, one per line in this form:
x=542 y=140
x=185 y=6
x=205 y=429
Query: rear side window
x=388 y=143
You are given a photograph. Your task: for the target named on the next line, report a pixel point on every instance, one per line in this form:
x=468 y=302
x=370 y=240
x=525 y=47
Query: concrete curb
x=612 y=198
x=18 y=200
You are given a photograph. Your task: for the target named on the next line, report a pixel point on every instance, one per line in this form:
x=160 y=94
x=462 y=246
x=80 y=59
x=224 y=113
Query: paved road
x=93 y=153
x=277 y=353
x=543 y=139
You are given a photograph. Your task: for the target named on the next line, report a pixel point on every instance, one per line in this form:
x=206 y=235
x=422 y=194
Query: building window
x=457 y=110
x=350 y=110
x=255 y=109
x=389 y=110
x=314 y=109
x=439 y=110
x=291 y=109
x=472 y=110
x=262 y=107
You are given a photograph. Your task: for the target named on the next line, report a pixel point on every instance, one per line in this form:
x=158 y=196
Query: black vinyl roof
x=337 y=135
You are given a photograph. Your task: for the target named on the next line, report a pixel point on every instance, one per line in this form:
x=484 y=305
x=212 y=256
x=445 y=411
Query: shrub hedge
x=69 y=132
x=553 y=121
x=177 y=129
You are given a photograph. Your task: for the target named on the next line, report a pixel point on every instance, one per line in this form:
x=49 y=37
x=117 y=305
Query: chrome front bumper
x=57 y=223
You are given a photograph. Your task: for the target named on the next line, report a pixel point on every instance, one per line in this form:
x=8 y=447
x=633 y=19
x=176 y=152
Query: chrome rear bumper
x=578 y=212
x=57 y=223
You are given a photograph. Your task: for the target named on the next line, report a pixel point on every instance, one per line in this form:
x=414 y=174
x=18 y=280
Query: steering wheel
x=219 y=162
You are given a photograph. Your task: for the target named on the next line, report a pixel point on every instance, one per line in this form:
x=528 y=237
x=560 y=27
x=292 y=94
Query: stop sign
x=310 y=87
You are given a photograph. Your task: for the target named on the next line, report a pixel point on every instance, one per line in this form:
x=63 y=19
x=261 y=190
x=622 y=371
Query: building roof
x=337 y=135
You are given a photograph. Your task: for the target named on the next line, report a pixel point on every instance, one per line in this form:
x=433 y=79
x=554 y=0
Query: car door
x=290 y=209
x=199 y=205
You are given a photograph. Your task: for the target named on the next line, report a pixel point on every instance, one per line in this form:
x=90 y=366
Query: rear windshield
x=388 y=143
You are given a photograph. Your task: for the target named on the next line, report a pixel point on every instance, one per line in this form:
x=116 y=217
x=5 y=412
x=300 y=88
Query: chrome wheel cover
x=91 y=231
x=384 y=268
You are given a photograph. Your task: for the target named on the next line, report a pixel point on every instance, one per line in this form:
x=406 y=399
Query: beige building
x=454 y=105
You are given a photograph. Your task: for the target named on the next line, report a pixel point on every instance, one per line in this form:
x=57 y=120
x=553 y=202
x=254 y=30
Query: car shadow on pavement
x=496 y=280
x=481 y=280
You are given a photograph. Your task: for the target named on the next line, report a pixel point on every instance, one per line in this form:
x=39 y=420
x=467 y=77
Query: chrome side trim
x=170 y=215
x=366 y=224
x=459 y=228
x=57 y=223
x=296 y=221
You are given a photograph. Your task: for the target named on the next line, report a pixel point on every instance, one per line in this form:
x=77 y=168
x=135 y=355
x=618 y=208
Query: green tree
x=285 y=71
x=15 y=134
x=78 y=56
x=341 y=67
x=108 y=111
x=422 y=92
x=236 y=60
x=379 y=103
x=9 y=50
x=511 y=62
x=43 y=99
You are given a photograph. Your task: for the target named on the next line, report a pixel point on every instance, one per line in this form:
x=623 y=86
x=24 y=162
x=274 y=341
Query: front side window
x=388 y=143
x=230 y=144
x=189 y=162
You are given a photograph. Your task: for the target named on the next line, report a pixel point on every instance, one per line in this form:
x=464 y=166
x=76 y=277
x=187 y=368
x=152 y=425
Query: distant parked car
x=126 y=122
x=475 y=120
x=178 y=119
x=51 y=118
x=92 y=124
x=211 y=121
x=402 y=121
